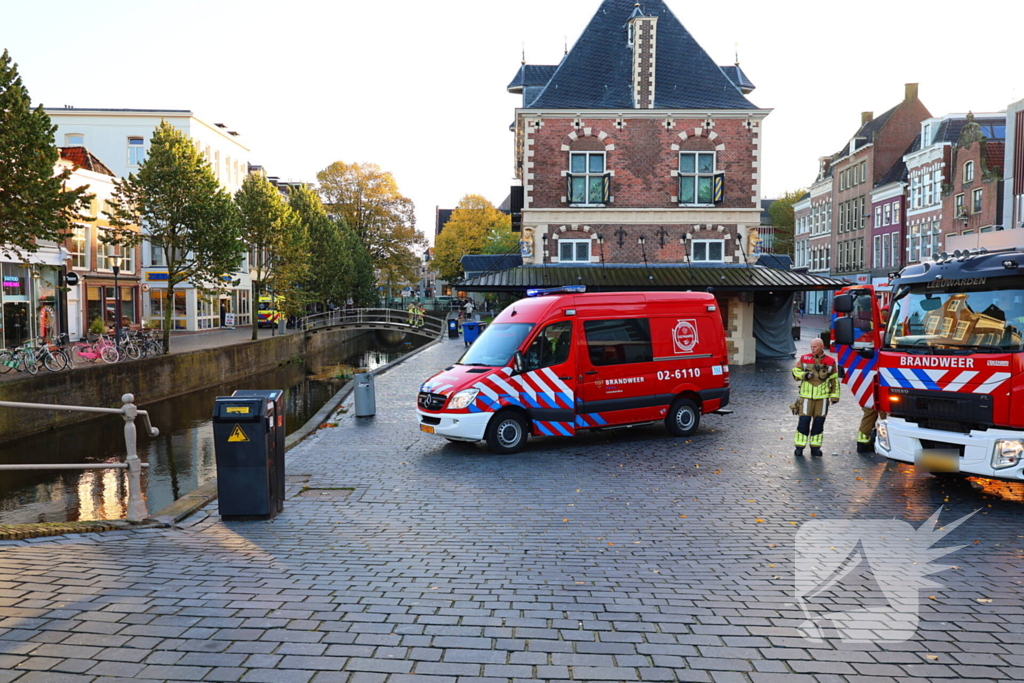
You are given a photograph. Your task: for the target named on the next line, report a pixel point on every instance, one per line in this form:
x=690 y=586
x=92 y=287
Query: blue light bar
x=567 y=289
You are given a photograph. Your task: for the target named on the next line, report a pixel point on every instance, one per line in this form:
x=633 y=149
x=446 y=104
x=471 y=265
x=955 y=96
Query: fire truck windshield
x=496 y=345
x=926 y=318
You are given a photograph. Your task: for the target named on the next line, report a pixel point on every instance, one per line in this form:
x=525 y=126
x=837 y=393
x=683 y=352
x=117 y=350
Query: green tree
x=277 y=241
x=475 y=227
x=367 y=200
x=330 y=276
x=34 y=205
x=364 y=279
x=183 y=212
x=781 y=212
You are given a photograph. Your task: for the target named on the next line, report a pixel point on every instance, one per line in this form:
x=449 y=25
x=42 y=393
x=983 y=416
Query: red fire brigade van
x=562 y=362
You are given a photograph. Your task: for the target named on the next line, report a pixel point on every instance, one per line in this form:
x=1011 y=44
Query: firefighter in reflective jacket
x=819 y=386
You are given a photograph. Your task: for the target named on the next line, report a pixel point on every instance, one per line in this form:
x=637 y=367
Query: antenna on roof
x=736 y=46
x=566 y=39
x=524 y=52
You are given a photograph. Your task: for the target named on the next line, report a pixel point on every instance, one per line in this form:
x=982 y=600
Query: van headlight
x=882 y=435
x=463 y=399
x=1008 y=452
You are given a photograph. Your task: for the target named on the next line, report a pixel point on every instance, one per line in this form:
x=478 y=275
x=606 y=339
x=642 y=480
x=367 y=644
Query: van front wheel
x=683 y=417
x=507 y=433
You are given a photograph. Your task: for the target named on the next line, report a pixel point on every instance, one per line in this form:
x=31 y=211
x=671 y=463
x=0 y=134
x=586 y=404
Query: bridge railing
x=129 y=411
x=355 y=317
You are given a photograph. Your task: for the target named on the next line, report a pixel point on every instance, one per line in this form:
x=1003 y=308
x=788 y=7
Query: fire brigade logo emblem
x=684 y=336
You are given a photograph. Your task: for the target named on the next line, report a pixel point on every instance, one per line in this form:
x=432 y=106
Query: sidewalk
x=184 y=342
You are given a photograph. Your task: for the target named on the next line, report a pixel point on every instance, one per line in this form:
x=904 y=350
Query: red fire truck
x=564 y=361
x=947 y=369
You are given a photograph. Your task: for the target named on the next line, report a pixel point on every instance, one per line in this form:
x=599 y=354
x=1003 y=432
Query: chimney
x=866 y=116
x=642 y=32
x=911 y=92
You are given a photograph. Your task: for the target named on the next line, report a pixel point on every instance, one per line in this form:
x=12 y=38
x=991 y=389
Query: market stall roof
x=640 y=278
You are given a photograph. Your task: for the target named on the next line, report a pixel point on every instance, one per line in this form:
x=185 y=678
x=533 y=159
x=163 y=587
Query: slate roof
x=83 y=158
x=641 y=278
x=865 y=135
x=476 y=265
x=738 y=78
x=597 y=72
x=993 y=127
x=443 y=216
x=777 y=261
x=531 y=74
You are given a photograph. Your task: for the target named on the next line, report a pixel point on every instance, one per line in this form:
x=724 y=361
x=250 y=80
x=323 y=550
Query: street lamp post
x=116 y=261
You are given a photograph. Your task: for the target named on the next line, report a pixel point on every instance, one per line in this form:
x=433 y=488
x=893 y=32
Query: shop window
x=157 y=302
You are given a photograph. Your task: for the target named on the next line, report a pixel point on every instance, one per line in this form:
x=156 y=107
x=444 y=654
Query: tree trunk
x=168 y=312
x=255 y=307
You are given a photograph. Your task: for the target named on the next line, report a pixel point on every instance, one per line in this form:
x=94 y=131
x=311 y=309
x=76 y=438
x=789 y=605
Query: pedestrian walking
x=819 y=386
x=469 y=310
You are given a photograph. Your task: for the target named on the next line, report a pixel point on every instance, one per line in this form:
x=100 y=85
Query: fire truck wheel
x=507 y=433
x=683 y=417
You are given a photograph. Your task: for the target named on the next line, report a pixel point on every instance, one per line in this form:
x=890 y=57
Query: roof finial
x=566 y=39
x=737 y=48
x=524 y=52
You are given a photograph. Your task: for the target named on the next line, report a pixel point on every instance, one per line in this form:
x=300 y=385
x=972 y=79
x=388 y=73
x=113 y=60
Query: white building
x=120 y=139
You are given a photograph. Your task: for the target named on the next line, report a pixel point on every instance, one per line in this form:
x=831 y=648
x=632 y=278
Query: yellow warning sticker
x=237 y=435
x=242 y=410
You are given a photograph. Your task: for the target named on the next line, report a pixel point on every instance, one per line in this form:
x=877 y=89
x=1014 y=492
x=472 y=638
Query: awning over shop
x=641 y=278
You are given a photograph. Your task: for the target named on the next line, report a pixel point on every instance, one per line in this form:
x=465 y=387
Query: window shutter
x=606 y=188
x=719 y=188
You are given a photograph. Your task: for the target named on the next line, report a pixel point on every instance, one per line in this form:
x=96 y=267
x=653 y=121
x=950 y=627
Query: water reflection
x=180 y=460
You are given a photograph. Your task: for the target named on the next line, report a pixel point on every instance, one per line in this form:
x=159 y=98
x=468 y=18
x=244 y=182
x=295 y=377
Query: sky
x=418 y=86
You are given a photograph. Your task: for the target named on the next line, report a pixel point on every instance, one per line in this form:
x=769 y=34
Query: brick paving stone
x=447 y=563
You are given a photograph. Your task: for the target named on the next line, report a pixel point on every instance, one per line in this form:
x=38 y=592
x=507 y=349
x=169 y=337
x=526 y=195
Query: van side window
x=617 y=342
x=551 y=346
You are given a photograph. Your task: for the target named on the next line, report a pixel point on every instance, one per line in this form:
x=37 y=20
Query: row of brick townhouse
x=639 y=163
x=909 y=185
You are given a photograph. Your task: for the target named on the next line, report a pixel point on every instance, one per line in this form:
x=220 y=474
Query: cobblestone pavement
x=629 y=556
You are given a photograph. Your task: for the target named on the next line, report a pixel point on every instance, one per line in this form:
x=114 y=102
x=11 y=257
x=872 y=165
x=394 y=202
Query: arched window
x=968 y=171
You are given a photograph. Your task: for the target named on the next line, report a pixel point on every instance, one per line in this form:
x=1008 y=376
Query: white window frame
x=707 y=250
x=976 y=200
x=697 y=174
x=575 y=251
x=68 y=143
x=80 y=259
x=139 y=150
x=878 y=216
x=876 y=252
x=968 y=171
x=895 y=213
x=587 y=175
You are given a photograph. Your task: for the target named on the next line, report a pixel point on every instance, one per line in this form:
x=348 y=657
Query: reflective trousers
x=867 y=425
x=809 y=430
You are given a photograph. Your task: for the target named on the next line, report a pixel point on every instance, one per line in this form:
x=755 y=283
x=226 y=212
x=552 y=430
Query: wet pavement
x=622 y=556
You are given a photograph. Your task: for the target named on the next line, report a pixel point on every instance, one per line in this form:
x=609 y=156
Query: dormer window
x=630 y=30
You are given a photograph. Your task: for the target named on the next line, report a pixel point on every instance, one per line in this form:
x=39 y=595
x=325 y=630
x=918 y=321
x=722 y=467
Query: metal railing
x=137 y=511
x=369 y=317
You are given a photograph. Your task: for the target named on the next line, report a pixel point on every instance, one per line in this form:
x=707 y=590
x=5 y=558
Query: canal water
x=180 y=460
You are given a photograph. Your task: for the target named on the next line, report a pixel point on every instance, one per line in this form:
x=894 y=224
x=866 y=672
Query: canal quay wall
x=153 y=379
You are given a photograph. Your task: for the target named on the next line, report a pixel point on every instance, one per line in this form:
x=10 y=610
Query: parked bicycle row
x=64 y=354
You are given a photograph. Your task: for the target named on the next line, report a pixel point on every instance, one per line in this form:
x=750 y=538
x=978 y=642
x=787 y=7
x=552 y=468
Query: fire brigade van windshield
x=562 y=363
x=947 y=370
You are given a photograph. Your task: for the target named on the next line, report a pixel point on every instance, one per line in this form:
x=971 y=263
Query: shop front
x=193 y=309
x=30 y=303
x=101 y=303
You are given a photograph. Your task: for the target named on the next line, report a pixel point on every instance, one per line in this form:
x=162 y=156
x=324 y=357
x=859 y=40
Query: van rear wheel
x=683 y=417
x=507 y=433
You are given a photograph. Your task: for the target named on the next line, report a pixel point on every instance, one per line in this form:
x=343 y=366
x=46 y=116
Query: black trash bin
x=250 y=471
x=826 y=336
x=280 y=431
x=453 y=328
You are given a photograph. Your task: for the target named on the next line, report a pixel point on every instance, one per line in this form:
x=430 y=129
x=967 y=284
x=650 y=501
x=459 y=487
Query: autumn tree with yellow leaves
x=476 y=227
x=366 y=199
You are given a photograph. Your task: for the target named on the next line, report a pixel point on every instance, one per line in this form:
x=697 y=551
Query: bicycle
x=101 y=349
x=22 y=359
x=44 y=353
x=128 y=346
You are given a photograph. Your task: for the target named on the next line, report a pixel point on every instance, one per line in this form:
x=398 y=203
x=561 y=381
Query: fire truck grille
x=429 y=401
x=943 y=410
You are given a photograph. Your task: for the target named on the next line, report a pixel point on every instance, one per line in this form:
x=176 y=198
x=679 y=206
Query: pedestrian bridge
x=375 y=319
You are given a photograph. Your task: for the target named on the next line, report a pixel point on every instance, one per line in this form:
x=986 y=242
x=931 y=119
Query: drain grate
x=324 y=494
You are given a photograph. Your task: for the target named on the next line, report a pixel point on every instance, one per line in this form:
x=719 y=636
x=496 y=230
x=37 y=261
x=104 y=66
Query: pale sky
x=418 y=86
